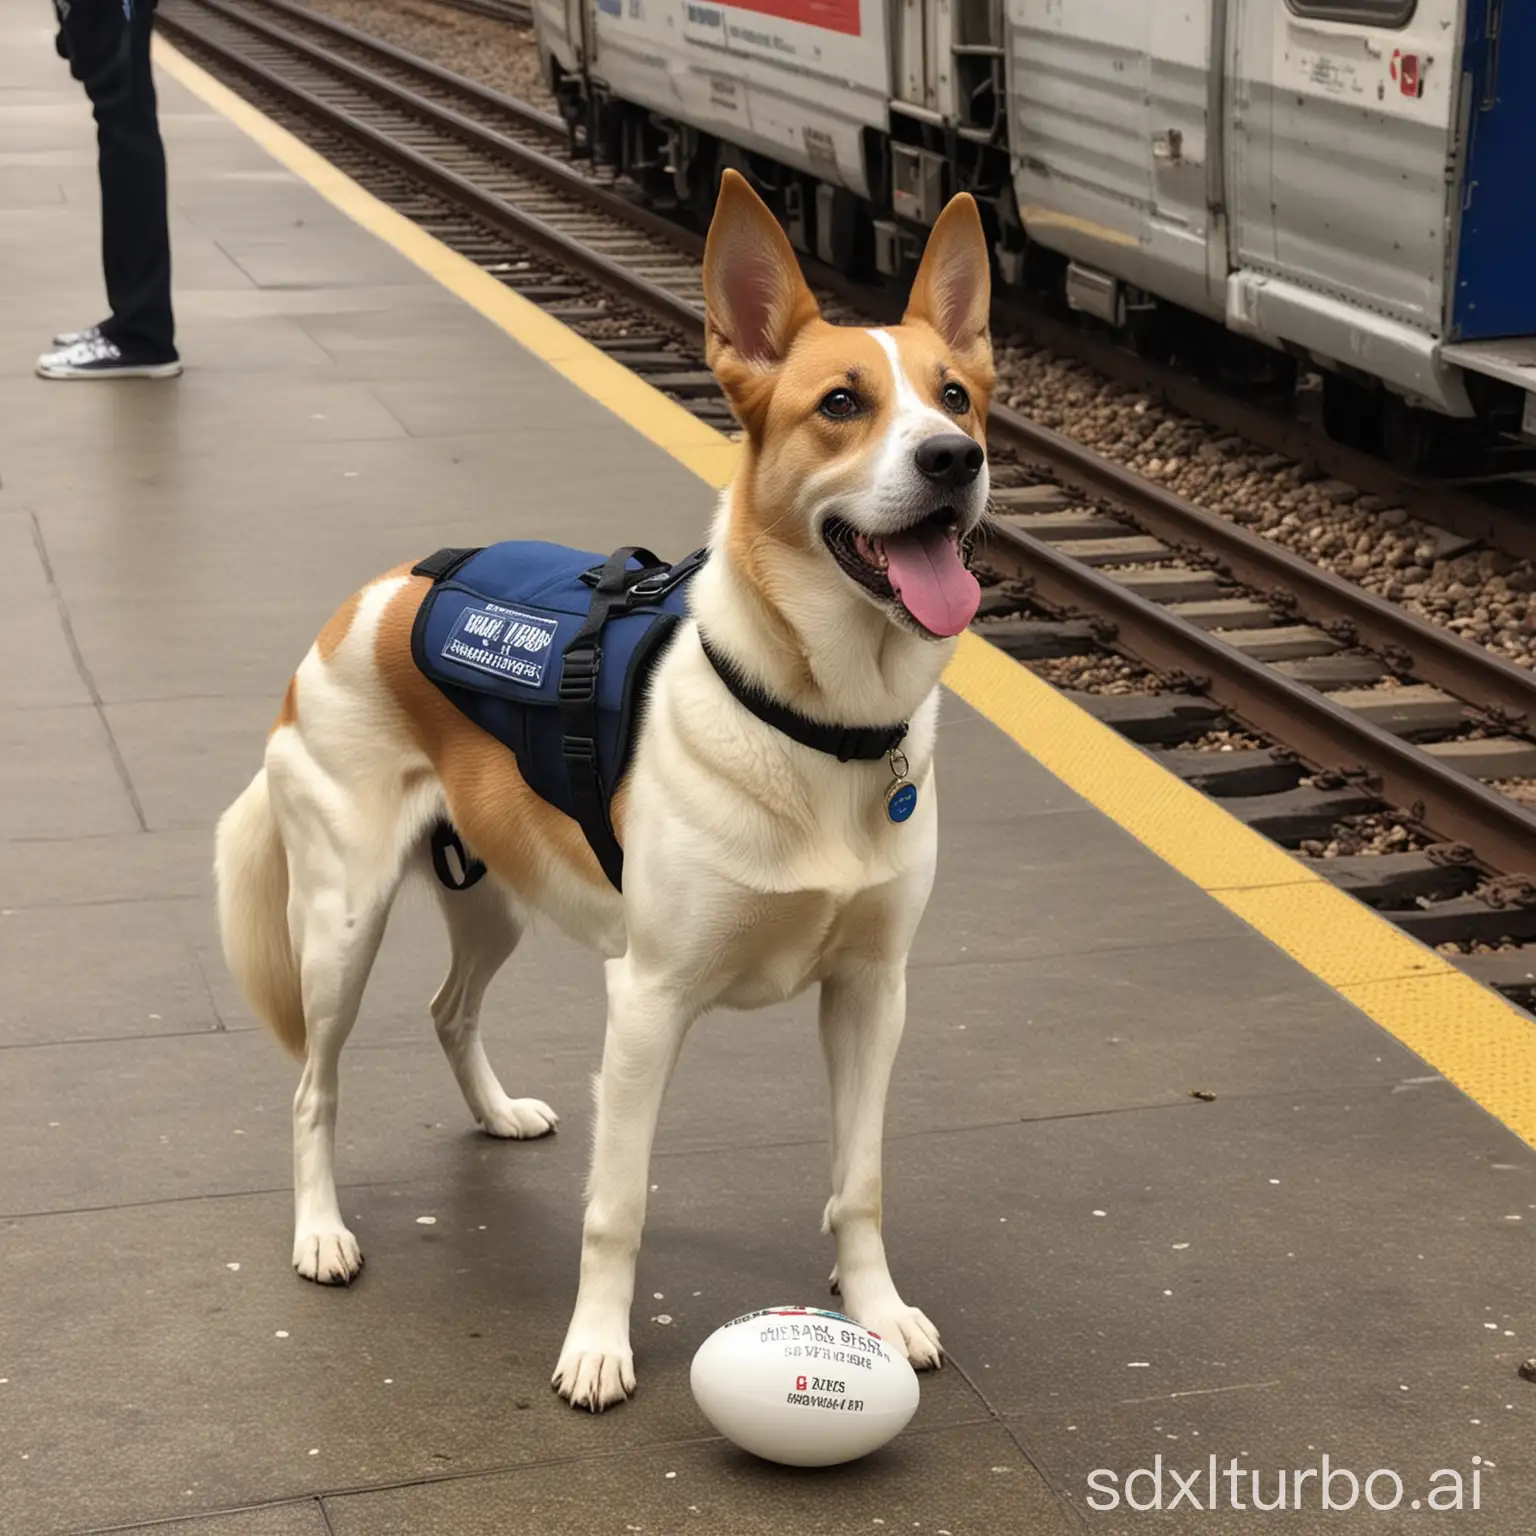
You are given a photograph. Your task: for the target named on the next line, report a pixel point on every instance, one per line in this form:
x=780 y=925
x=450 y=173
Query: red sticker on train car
x=829 y=15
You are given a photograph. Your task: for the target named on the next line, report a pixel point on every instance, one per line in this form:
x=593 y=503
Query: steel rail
x=1455 y=807
x=540 y=121
x=502 y=10
x=1409 y=643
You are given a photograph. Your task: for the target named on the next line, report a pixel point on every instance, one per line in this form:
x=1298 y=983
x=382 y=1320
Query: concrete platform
x=1333 y=1257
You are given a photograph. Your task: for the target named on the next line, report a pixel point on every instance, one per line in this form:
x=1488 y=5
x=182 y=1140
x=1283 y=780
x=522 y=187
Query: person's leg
x=136 y=240
x=110 y=54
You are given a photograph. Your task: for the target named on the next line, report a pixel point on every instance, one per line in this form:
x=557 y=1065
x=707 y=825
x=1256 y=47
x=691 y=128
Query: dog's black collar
x=847 y=743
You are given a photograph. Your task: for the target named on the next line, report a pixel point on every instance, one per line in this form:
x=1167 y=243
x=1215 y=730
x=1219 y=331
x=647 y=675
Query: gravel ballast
x=496 y=53
x=1482 y=595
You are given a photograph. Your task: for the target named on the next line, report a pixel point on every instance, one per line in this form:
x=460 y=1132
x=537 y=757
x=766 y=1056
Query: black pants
x=108 y=53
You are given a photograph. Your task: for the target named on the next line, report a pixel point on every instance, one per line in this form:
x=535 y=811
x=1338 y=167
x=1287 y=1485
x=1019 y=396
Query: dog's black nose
x=951 y=459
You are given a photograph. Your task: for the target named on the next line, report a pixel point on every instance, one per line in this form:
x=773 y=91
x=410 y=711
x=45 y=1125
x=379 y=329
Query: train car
x=1339 y=180
x=795 y=93
x=1340 y=185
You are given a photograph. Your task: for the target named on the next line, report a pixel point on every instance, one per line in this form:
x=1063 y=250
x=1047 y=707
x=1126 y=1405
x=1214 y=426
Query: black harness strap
x=582 y=660
x=616 y=590
x=461 y=872
x=847 y=743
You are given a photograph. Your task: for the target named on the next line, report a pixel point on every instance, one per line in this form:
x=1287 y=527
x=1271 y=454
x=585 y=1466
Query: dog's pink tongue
x=926 y=573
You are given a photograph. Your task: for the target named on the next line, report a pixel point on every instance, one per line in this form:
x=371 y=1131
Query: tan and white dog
x=754 y=866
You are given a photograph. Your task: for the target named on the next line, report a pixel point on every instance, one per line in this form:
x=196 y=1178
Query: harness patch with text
x=502 y=641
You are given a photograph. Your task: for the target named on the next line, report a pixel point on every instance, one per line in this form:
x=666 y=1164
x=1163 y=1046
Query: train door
x=1341 y=125
x=947 y=63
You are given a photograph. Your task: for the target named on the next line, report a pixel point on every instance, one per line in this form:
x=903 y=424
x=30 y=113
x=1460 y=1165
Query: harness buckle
x=654 y=585
x=657 y=583
x=578 y=676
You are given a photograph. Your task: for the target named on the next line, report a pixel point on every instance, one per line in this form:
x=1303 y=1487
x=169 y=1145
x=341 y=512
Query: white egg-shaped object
x=803 y=1387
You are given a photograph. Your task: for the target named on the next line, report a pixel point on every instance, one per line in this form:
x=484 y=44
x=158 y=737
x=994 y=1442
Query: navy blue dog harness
x=551 y=650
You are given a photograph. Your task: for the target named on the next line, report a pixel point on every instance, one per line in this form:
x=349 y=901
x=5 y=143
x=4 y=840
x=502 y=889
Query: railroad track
x=518 y=12
x=1373 y=707
x=287 y=26
x=1499 y=511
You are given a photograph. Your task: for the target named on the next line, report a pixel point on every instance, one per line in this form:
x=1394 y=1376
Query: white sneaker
x=99 y=358
x=74 y=338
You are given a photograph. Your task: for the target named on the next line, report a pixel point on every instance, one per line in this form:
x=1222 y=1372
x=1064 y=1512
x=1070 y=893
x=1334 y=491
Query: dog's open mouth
x=920 y=569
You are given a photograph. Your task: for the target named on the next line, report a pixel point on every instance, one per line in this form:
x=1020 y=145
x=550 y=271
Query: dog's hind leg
x=344 y=865
x=483 y=930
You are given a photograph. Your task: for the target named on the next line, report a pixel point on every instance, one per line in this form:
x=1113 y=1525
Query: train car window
x=1370 y=13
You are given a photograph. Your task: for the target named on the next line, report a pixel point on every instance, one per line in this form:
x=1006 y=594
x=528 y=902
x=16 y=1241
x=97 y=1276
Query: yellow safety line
x=1466 y=1032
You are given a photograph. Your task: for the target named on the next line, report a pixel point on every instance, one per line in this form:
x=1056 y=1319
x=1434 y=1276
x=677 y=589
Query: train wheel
x=704 y=180
x=1352 y=412
x=1424 y=442
x=1154 y=334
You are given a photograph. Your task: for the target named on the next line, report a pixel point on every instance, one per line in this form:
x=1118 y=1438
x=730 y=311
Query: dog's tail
x=251 y=866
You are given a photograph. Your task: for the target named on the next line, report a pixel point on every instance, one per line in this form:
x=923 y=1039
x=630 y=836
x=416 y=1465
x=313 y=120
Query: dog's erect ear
x=755 y=299
x=953 y=288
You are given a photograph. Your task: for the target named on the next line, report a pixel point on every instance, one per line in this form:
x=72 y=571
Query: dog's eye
x=955 y=399
x=840 y=404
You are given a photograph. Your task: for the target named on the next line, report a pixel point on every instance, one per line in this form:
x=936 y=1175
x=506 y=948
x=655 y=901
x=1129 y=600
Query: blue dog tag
x=901 y=797
x=900 y=800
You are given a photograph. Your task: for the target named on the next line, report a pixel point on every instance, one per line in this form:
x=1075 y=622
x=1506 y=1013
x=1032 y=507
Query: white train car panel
x=1109 y=109
x=1287 y=166
x=795 y=80
x=1342 y=159
x=557 y=31
x=1185 y=127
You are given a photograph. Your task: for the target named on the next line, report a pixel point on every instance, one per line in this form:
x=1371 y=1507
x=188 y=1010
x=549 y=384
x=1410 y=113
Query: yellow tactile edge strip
x=1469 y=1034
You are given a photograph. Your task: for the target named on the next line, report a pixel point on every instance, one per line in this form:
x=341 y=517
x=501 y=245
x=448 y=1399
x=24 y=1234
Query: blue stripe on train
x=1495 y=293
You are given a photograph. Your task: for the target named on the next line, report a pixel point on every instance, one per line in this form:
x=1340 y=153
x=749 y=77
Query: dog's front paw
x=328 y=1256
x=520 y=1119
x=593 y=1374
x=906 y=1329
